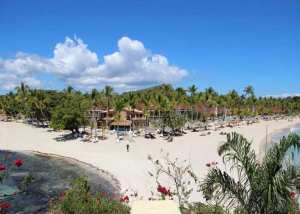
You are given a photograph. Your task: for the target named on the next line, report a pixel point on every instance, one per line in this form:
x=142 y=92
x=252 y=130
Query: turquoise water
x=277 y=136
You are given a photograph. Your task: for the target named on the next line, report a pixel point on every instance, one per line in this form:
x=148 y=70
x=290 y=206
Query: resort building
x=127 y=119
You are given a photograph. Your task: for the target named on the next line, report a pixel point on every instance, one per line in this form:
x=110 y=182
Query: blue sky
x=223 y=44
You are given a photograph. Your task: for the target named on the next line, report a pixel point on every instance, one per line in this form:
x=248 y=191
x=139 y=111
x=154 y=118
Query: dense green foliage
x=80 y=200
x=49 y=105
x=265 y=187
x=200 y=208
x=70 y=113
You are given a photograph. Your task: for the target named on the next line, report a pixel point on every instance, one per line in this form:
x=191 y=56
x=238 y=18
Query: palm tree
x=160 y=101
x=249 y=91
x=211 y=99
x=22 y=95
x=94 y=94
x=233 y=101
x=180 y=94
x=250 y=97
x=131 y=100
x=163 y=105
x=108 y=93
x=192 y=90
x=69 y=90
x=146 y=100
x=181 y=98
x=167 y=90
x=37 y=105
x=264 y=187
x=119 y=105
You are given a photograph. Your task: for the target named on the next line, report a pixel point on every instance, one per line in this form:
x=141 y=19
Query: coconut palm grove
x=70 y=109
x=261 y=186
x=149 y=107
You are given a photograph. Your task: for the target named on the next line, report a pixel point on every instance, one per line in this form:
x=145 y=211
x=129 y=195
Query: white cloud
x=132 y=66
x=22 y=68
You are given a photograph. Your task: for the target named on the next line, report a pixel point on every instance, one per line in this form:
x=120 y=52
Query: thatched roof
x=121 y=123
x=133 y=110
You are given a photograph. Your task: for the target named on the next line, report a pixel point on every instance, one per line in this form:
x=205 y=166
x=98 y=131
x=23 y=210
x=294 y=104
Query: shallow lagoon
x=52 y=175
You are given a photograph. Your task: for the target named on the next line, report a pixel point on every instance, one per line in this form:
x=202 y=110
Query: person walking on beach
x=127 y=147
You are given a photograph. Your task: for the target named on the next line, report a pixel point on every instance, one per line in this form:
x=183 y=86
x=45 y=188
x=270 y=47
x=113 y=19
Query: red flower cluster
x=164 y=191
x=62 y=195
x=18 y=162
x=213 y=163
x=124 y=199
x=5 y=206
x=293 y=195
x=104 y=194
x=2 y=167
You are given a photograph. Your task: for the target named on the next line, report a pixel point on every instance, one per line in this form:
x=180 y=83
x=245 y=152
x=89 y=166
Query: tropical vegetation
x=79 y=199
x=264 y=186
x=67 y=109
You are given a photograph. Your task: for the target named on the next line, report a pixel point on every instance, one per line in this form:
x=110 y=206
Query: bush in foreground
x=80 y=200
x=269 y=186
x=200 y=208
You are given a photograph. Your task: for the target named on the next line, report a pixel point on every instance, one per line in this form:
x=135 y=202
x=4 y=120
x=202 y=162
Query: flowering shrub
x=180 y=176
x=124 y=199
x=5 y=206
x=2 y=167
x=293 y=195
x=18 y=162
x=80 y=200
x=200 y=208
x=164 y=191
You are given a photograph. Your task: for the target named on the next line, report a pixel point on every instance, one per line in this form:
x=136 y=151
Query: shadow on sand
x=67 y=137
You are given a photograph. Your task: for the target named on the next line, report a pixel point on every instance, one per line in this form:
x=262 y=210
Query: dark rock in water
x=51 y=176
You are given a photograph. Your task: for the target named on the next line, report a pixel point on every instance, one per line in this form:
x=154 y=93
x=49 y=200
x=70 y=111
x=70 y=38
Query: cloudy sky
x=136 y=44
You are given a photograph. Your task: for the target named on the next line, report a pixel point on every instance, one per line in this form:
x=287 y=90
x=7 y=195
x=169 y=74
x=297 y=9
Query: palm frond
x=237 y=151
x=220 y=186
x=274 y=158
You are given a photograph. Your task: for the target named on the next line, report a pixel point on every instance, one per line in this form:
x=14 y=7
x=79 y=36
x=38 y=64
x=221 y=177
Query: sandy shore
x=131 y=168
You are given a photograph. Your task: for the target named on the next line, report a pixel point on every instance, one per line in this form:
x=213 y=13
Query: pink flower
x=293 y=195
x=62 y=195
x=5 y=206
x=18 y=162
x=164 y=191
x=2 y=167
x=124 y=199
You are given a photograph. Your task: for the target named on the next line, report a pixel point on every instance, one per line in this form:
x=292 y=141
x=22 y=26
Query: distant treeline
x=69 y=104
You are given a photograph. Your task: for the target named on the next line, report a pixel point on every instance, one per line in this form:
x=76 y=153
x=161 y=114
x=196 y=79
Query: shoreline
x=131 y=168
x=52 y=176
x=268 y=140
x=105 y=175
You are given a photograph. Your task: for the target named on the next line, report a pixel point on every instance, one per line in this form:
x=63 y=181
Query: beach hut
x=122 y=125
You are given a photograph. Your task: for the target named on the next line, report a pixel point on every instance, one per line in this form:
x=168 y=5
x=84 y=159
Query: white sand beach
x=131 y=168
